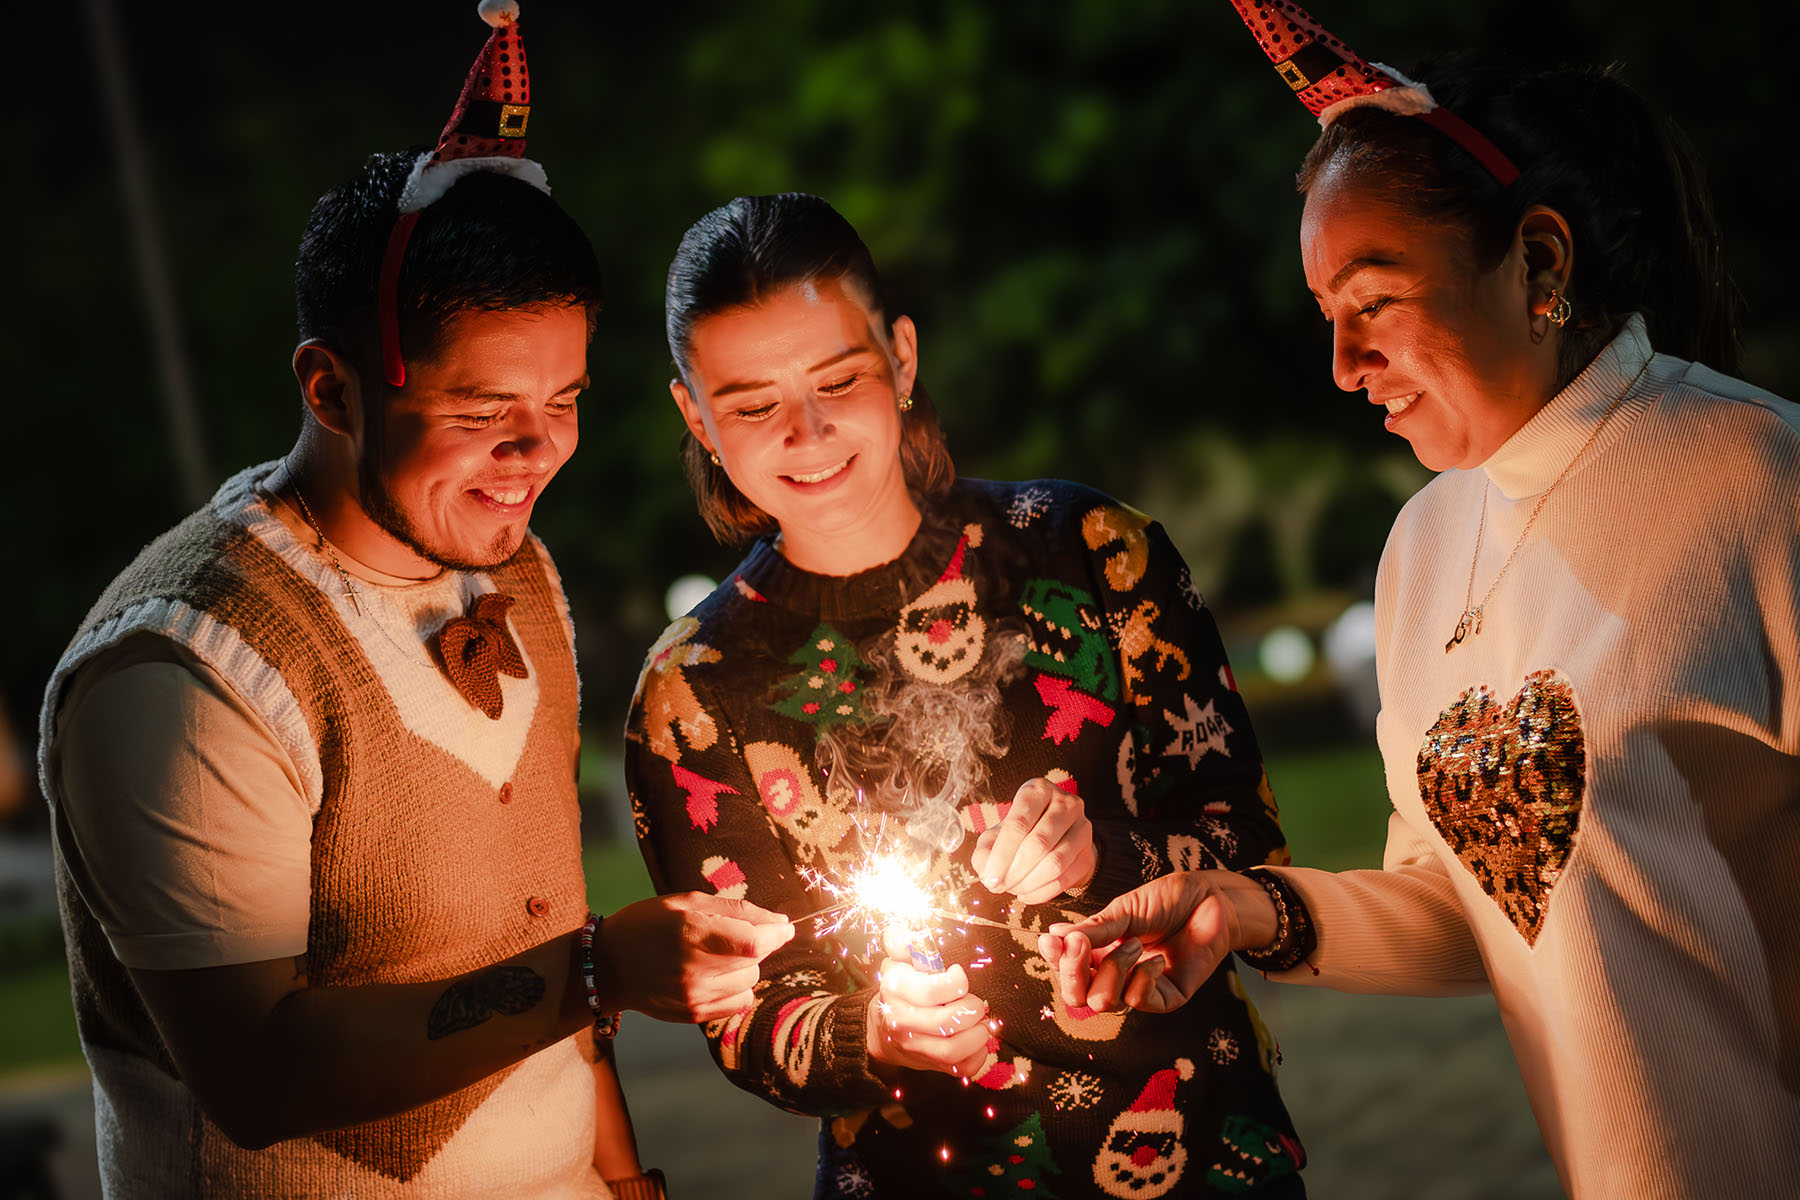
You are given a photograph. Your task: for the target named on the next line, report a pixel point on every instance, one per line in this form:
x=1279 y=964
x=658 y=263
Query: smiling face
x=798 y=395
x=1445 y=346
x=452 y=466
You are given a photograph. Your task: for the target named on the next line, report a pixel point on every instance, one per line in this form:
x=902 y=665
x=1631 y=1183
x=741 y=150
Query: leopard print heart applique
x=1503 y=783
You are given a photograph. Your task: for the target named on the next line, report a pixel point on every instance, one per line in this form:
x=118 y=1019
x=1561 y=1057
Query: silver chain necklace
x=1469 y=624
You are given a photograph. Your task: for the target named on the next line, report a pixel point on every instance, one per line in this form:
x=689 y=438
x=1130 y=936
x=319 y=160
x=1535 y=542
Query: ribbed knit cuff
x=1119 y=868
x=852 y=1072
x=648 y=1186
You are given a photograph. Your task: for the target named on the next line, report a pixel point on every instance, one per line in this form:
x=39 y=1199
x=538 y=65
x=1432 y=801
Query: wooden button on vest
x=537 y=906
x=506 y=792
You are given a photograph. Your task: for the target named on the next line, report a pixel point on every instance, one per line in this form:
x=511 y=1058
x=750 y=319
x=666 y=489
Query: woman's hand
x=926 y=1020
x=1154 y=946
x=1043 y=848
x=687 y=957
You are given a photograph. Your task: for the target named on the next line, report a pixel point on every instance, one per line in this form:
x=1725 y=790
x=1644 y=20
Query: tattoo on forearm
x=509 y=990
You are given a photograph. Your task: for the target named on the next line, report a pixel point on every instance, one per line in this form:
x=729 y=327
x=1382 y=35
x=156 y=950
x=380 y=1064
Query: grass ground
x=1333 y=805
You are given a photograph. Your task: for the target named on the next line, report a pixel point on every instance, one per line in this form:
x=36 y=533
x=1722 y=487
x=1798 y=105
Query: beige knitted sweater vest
x=422 y=868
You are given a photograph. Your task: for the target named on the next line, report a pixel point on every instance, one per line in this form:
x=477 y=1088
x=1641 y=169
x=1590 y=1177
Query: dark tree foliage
x=1087 y=206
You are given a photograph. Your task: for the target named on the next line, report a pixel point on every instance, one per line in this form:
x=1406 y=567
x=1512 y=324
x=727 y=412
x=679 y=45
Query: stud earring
x=905 y=401
x=715 y=459
x=1560 y=310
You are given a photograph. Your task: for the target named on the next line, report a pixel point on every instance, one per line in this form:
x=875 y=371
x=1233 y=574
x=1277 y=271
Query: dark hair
x=491 y=243
x=1591 y=148
x=740 y=254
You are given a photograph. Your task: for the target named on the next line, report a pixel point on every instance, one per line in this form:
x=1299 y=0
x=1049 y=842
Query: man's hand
x=1043 y=848
x=926 y=1020
x=686 y=957
x=1154 y=946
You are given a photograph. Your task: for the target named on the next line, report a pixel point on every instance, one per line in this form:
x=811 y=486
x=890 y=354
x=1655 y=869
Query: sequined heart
x=1503 y=784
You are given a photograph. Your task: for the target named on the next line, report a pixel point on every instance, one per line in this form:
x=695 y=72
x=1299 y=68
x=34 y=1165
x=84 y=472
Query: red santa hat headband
x=486 y=132
x=1329 y=78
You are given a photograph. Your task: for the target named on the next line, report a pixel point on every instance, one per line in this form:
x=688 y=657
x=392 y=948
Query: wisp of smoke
x=924 y=756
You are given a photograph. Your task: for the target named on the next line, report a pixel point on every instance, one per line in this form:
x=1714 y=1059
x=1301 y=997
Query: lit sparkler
x=884 y=891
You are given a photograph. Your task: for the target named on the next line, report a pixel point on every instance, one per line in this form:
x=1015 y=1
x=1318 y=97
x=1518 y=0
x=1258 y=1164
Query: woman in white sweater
x=1587 y=647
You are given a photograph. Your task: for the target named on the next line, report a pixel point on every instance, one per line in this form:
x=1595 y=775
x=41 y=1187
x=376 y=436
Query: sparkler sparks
x=883 y=891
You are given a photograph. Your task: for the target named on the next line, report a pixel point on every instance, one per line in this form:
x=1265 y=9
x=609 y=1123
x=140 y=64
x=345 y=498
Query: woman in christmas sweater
x=1587 y=650
x=1014 y=686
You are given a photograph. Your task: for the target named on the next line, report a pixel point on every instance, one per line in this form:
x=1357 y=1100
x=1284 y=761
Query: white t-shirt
x=184 y=821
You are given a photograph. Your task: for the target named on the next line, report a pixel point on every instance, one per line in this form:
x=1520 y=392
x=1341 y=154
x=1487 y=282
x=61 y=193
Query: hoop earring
x=714 y=455
x=1560 y=310
x=905 y=401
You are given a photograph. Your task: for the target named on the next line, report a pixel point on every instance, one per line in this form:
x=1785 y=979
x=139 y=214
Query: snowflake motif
x=1223 y=1046
x=807 y=978
x=853 y=1180
x=1046 y=1013
x=1223 y=836
x=1028 y=506
x=1073 y=1090
x=1190 y=593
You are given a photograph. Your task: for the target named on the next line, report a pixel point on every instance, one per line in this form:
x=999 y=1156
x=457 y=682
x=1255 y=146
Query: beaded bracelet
x=605 y=1024
x=1295 y=939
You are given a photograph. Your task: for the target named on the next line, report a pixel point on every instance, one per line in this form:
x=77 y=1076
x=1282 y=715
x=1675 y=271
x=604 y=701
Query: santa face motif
x=1140 y=1162
x=940 y=636
x=1143 y=1155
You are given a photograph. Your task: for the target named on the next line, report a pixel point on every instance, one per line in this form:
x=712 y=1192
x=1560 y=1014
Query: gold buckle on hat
x=1294 y=76
x=512 y=119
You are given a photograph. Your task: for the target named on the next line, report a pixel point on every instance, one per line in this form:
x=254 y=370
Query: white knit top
x=1597 y=798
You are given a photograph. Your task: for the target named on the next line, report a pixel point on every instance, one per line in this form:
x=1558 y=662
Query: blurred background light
x=687 y=591
x=1286 y=654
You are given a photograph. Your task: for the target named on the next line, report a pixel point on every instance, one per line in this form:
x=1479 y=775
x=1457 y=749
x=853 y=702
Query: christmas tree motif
x=1012 y=1164
x=827 y=690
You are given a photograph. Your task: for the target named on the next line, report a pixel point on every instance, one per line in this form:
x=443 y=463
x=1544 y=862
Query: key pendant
x=1462 y=631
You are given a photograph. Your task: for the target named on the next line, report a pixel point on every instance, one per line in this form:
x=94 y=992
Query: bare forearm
x=361 y=1053
x=324 y=1058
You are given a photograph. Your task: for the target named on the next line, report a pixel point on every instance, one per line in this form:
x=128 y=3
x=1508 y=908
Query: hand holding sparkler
x=687 y=957
x=1153 y=947
x=925 y=1020
x=1044 y=846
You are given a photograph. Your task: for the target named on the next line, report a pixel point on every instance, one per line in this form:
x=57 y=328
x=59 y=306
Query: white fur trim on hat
x=429 y=181
x=1408 y=100
x=498 y=13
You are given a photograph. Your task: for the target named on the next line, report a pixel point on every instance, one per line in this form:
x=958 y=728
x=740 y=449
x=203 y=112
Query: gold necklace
x=1470 y=622
x=349 y=589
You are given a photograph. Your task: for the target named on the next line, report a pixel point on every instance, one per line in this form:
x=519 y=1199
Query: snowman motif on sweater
x=1142 y=1155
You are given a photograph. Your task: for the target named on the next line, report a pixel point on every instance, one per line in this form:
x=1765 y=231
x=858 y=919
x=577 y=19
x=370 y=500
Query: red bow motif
x=478 y=648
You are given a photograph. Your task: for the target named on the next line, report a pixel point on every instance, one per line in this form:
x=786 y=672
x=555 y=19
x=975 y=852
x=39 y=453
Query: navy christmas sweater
x=1103 y=671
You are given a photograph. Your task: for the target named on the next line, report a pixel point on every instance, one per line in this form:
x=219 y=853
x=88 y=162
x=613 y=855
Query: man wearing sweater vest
x=312 y=755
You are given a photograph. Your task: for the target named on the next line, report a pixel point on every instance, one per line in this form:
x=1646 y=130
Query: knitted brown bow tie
x=478 y=649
